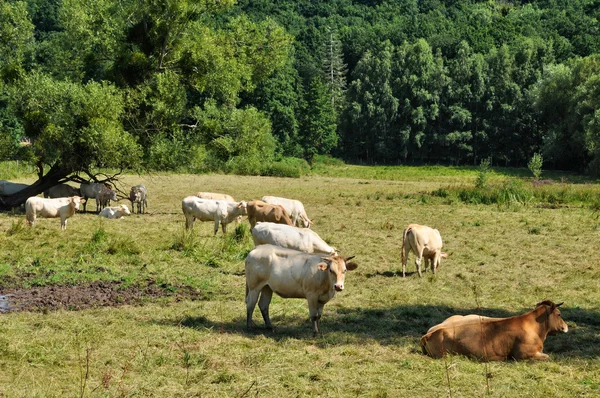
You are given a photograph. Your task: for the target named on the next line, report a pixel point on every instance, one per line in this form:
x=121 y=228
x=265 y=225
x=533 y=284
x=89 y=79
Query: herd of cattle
x=292 y=260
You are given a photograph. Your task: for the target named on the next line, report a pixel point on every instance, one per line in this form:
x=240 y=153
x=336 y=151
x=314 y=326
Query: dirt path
x=98 y=294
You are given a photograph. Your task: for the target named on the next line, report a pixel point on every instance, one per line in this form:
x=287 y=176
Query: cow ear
x=323 y=266
x=351 y=266
x=82 y=201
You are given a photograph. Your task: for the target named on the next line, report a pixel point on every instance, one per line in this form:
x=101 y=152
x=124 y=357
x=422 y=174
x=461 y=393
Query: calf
x=294 y=208
x=292 y=274
x=139 y=195
x=496 y=339
x=424 y=242
x=51 y=208
x=261 y=211
x=115 y=212
x=219 y=211
x=282 y=235
x=104 y=197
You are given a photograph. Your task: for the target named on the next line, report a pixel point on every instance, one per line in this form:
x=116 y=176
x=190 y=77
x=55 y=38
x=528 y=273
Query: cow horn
x=348 y=258
x=558 y=305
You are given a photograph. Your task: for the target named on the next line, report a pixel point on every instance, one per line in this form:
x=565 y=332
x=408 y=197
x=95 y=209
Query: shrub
x=483 y=175
x=535 y=166
x=287 y=167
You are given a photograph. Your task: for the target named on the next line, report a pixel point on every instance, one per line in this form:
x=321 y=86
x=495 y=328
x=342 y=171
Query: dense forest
x=242 y=87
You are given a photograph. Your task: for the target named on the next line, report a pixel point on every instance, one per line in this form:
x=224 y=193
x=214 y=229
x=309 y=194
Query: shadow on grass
x=401 y=325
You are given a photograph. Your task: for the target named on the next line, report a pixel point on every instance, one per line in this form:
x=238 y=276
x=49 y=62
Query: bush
x=287 y=167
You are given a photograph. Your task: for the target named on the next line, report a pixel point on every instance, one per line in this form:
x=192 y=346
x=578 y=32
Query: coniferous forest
x=204 y=85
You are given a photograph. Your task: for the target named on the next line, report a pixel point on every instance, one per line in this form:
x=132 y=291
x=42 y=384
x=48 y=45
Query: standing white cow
x=219 y=211
x=424 y=242
x=292 y=274
x=294 y=208
x=9 y=188
x=115 y=212
x=302 y=239
x=52 y=208
x=91 y=190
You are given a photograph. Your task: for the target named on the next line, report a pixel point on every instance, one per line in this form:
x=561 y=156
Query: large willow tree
x=112 y=83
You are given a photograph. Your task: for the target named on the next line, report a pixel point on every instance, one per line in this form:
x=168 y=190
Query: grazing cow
x=9 y=188
x=91 y=190
x=282 y=235
x=104 y=197
x=61 y=191
x=424 y=242
x=496 y=339
x=294 y=207
x=139 y=194
x=292 y=274
x=52 y=208
x=261 y=211
x=219 y=211
x=215 y=196
x=115 y=212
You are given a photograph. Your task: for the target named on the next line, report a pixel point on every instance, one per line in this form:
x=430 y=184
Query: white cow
x=215 y=196
x=219 y=211
x=294 y=208
x=115 y=212
x=91 y=190
x=424 y=242
x=52 y=208
x=292 y=274
x=302 y=239
x=9 y=188
x=61 y=191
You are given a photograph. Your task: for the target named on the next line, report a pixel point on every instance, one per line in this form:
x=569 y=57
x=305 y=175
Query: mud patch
x=98 y=294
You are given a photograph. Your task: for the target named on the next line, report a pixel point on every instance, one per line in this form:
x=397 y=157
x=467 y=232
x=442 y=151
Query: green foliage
x=287 y=167
x=483 y=174
x=535 y=166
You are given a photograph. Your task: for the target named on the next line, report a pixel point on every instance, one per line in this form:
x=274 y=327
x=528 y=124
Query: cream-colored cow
x=424 y=242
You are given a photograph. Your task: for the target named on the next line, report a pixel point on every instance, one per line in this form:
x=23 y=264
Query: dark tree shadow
x=400 y=325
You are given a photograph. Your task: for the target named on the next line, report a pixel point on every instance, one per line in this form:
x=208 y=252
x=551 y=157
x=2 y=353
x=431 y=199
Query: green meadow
x=511 y=245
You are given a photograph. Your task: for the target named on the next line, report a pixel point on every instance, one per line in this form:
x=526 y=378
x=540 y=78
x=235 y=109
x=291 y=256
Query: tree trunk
x=53 y=177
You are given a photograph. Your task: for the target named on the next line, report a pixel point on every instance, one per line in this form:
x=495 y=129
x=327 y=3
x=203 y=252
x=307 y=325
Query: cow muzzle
x=338 y=287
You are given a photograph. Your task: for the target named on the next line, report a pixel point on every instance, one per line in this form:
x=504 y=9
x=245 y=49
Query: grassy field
x=503 y=260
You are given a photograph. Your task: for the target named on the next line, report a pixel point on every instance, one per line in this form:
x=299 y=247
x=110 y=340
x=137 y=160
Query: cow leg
x=251 y=299
x=263 y=303
x=189 y=221
x=435 y=261
x=418 y=264
x=313 y=310
x=63 y=224
x=217 y=222
x=224 y=228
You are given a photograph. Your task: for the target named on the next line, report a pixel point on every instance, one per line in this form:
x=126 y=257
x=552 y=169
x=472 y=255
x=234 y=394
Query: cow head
x=125 y=210
x=75 y=201
x=243 y=205
x=554 y=320
x=337 y=267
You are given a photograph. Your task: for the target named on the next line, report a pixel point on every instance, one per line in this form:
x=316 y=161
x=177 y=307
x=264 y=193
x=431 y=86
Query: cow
x=104 y=197
x=215 y=196
x=424 y=242
x=292 y=274
x=61 y=191
x=496 y=339
x=52 y=208
x=115 y=212
x=261 y=211
x=294 y=207
x=139 y=195
x=219 y=211
x=302 y=239
x=8 y=188
x=91 y=190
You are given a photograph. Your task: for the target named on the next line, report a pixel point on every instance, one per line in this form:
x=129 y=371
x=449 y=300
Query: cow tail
x=406 y=231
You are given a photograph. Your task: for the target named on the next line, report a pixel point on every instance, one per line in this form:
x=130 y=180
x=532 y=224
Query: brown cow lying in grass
x=259 y=211
x=496 y=339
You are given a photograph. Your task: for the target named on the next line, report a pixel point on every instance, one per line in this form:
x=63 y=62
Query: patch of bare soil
x=97 y=294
